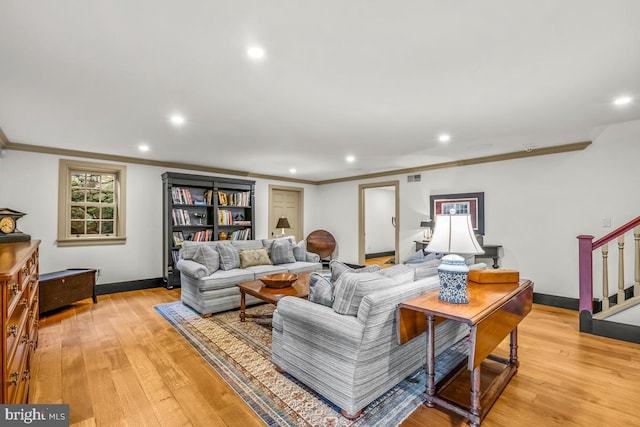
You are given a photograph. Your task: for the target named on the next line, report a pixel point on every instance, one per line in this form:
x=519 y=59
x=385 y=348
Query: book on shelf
x=180 y=217
x=225 y=217
x=178 y=238
x=181 y=196
x=241 y=199
x=208 y=197
x=241 y=222
x=176 y=256
x=244 y=234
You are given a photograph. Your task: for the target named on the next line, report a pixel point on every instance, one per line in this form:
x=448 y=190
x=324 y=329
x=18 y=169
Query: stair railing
x=586 y=246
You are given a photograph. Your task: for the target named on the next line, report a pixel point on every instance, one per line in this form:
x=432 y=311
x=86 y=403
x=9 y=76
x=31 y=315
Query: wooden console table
x=490 y=251
x=493 y=312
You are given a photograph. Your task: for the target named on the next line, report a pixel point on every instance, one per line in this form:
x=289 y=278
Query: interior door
x=287 y=202
x=379 y=222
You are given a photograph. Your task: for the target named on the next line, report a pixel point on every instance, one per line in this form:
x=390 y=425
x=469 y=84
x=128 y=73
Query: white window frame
x=65 y=238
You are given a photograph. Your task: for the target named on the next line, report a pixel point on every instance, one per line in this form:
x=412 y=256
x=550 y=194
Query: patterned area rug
x=241 y=354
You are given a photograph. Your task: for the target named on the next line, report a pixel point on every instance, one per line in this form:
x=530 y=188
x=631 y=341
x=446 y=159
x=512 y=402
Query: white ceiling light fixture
x=292 y=170
x=444 y=138
x=622 y=100
x=350 y=158
x=177 y=120
x=255 y=52
x=143 y=147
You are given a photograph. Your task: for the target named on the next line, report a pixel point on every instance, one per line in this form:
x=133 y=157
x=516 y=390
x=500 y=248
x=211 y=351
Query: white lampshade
x=454 y=234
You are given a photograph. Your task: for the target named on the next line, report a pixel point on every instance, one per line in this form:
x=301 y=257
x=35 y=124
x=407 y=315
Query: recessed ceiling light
x=444 y=137
x=255 y=52
x=177 y=120
x=292 y=170
x=143 y=147
x=622 y=100
x=350 y=159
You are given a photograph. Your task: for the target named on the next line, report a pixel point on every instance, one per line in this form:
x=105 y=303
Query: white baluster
x=620 y=269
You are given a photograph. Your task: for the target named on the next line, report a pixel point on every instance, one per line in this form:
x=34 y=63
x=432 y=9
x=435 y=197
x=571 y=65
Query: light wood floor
x=119 y=363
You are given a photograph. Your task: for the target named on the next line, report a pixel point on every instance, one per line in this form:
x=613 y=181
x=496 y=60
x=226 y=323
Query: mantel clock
x=8 y=226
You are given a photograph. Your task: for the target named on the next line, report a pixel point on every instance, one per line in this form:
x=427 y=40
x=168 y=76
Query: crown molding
x=555 y=149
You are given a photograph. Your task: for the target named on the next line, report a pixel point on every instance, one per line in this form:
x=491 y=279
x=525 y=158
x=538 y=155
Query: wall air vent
x=413 y=178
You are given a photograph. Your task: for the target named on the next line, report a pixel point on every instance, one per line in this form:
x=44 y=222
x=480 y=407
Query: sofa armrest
x=312 y=257
x=320 y=323
x=192 y=268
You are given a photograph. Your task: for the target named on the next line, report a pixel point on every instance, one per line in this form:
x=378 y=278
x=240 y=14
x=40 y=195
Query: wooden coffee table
x=257 y=289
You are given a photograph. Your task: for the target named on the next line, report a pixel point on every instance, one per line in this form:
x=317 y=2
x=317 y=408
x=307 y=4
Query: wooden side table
x=494 y=311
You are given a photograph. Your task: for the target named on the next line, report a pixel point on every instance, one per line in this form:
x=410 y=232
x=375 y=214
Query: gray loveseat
x=347 y=348
x=210 y=271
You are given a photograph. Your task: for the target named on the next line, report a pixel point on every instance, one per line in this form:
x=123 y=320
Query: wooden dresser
x=20 y=292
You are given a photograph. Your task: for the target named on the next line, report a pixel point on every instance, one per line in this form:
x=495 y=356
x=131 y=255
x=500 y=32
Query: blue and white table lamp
x=453 y=234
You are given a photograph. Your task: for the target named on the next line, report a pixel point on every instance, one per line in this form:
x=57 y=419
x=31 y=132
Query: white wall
x=34 y=191
x=534 y=207
x=380 y=207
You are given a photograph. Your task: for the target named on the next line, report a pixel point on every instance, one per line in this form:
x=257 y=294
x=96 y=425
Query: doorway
x=286 y=202
x=379 y=220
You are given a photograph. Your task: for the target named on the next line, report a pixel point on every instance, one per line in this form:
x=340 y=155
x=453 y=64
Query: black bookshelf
x=203 y=208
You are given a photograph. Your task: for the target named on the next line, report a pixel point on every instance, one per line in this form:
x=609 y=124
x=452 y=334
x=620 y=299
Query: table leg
x=431 y=361
x=475 y=410
x=513 y=344
x=242 y=306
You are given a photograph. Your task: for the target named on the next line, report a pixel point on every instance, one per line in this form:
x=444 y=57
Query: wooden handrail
x=586 y=246
x=616 y=233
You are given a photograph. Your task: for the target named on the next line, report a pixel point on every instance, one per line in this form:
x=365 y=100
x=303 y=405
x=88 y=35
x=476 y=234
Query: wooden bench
x=66 y=287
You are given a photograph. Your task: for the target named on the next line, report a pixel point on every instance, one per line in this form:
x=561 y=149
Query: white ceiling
x=376 y=79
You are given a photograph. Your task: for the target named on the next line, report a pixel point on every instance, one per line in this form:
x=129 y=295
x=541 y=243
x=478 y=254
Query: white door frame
x=361 y=217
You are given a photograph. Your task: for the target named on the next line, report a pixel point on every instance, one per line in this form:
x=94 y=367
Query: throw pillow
x=352 y=287
x=208 y=257
x=251 y=257
x=399 y=273
x=229 y=257
x=320 y=290
x=337 y=268
x=282 y=251
x=300 y=251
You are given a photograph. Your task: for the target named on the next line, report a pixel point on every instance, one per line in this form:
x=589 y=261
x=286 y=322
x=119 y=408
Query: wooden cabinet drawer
x=12 y=291
x=16 y=326
x=16 y=370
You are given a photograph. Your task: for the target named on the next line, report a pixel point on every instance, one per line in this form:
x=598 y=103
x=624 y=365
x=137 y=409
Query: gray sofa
x=348 y=351
x=210 y=271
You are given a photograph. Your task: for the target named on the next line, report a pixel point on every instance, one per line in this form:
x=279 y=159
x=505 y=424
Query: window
x=91 y=203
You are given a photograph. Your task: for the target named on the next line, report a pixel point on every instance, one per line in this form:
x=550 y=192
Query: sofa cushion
x=300 y=251
x=282 y=251
x=223 y=279
x=252 y=257
x=320 y=290
x=229 y=257
x=351 y=287
x=337 y=268
x=400 y=273
x=208 y=257
x=247 y=244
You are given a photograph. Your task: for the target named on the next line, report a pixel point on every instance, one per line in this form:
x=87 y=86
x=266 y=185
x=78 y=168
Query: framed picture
x=471 y=203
